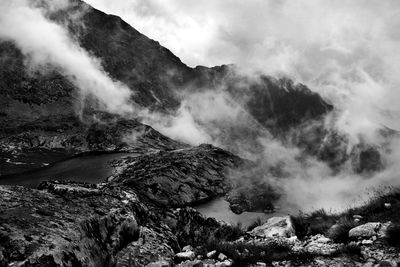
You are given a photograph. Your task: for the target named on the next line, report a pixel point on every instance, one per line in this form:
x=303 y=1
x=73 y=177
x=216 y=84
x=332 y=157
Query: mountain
x=41 y=114
x=133 y=209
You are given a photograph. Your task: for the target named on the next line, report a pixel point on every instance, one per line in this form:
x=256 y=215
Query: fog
x=48 y=45
x=347 y=51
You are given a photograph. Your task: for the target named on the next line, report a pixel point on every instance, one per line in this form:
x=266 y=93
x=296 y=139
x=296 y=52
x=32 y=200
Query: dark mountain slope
x=47 y=104
x=149 y=69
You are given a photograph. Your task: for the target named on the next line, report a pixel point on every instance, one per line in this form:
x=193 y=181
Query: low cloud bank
x=347 y=51
x=46 y=43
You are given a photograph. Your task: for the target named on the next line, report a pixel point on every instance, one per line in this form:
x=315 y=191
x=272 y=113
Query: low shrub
x=300 y=225
x=256 y=223
x=227 y=232
x=393 y=235
x=351 y=249
x=339 y=233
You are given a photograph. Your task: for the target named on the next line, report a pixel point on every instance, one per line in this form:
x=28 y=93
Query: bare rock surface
x=275 y=227
x=179 y=177
x=365 y=230
x=40 y=228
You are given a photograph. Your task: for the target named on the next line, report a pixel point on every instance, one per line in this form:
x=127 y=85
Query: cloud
x=348 y=51
x=45 y=43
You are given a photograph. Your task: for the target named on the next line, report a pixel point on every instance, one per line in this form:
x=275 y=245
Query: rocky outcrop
x=152 y=246
x=179 y=177
x=67 y=224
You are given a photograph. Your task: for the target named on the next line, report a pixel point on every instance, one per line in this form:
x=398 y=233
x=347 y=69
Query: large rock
x=274 y=227
x=86 y=228
x=188 y=255
x=365 y=230
x=151 y=248
x=321 y=245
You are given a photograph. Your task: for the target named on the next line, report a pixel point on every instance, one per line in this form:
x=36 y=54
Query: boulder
x=225 y=263
x=211 y=254
x=222 y=257
x=365 y=230
x=321 y=245
x=187 y=248
x=388 y=205
x=194 y=263
x=159 y=264
x=384 y=228
x=367 y=242
x=275 y=227
x=188 y=255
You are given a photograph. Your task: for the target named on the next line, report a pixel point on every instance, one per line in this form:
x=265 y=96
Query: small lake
x=95 y=168
x=85 y=168
x=219 y=209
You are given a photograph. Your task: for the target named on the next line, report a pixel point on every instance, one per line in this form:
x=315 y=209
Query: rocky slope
x=139 y=215
x=48 y=140
x=78 y=224
x=47 y=103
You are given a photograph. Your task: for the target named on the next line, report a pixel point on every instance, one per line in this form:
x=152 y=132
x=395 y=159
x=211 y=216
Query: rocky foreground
x=141 y=216
x=107 y=224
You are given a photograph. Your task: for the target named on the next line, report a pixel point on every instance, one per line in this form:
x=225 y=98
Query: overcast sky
x=346 y=50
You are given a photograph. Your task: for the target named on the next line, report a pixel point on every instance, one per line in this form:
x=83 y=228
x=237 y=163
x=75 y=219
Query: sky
x=348 y=51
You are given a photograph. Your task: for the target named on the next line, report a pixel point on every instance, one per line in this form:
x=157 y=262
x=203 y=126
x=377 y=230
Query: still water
x=88 y=168
x=219 y=209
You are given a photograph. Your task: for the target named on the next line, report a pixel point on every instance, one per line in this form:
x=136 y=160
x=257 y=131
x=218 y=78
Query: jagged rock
x=320 y=245
x=187 y=248
x=367 y=242
x=222 y=257
x=188 y=255
x=211 y=254
x=152 y=246
x=225 y=263
x=157 y=264
x=275 y=226
x=384 y=228
x=365 y=230
x=189 y=263
x=83 y=230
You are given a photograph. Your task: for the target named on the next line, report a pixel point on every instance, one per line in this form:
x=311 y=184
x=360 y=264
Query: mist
x=347 y=51
x=45 y=43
